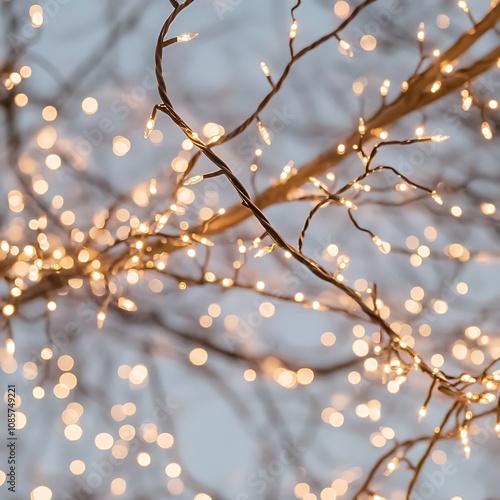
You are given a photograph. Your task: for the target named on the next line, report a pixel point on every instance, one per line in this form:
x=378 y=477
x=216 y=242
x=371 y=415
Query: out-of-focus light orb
x=354 y=378
x=440 y=306
x=143 y=459
x=25 y=71
x=138 y=374
x=118 y=486
x=127 y=432
x=21 y=100
x=90 y=105
x=488 y=208
x=53 y=161
x=104 y=441
x=301 y=490
x=378 y=440
x=437 y=360
x=250 y=375
x=38 y=392
x=61 y=391
x=328 y=339
x=305 y=376
x=65 y=362
x=267 y=309
x=165 y=440
x=368 y=43
x=198 y=356
x=49 y=113
x=336 y=419
x=8 y=310
x=73 y=432
x=417 y=293
x=214 y=310
x=175 y=486
x=41 y=493
x=121 y=145
x=360 y=348
x=20 y=420
x=68 y=218
x=173 y=470
x=472 y=332
x=460 y=350
x=477 y=357
x=442 y=21
x=77 y=467
x=340 y=486
x=341 y=9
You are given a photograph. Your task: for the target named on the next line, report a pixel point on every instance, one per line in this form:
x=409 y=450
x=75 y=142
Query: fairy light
x=361 y=127
x=186 y=37
x=464 y=437
x=383 y=246
x=466 y=100
x=10 y=347
x=150 y=125
x=439 y=138
x=486 y=131
x=265 y=69
x=384 y=88
x=146 y=247
x=422 y=413
x=421 y=32
x=463 y=5
x=264 y=133
x=8 y=310
x=127 y=304
x=436 y=86
x=345 y=48
x=193 y=180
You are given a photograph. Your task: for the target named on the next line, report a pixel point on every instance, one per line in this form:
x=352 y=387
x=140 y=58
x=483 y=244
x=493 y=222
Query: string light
x=466 y=100
x=265 y=69
x=186 y=37
x=486 y=131
x=361 y=127
x=10 y=347
x=264 y=133
x=421 y=33
x=435 y=86
x=463 y=5
x=384 y=89
x=193 y=180
x=345 y=48
x=126 y=243
x=150 y=125
x=422 y=413
x=439 y=138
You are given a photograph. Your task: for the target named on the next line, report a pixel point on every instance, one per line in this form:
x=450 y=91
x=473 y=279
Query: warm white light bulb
x=265 y=69
x=186 y=37
x=264 y=133
x=150 y=125
x=486 y=131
